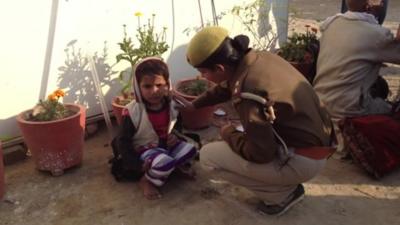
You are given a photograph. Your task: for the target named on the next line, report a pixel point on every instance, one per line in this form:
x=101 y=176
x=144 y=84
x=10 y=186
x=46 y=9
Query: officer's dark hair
x=229 y=53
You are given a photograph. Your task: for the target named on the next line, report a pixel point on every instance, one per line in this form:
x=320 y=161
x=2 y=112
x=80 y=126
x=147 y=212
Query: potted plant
x=151 y=43
x=246 y=14
x=301 y=50
x=54 y=133
x=190 y=89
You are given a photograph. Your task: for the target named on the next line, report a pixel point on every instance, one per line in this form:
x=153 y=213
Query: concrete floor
x=88 y=194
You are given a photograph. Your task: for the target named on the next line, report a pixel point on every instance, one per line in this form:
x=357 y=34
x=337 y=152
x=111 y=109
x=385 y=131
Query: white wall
x=87 y=25
x=23 y=40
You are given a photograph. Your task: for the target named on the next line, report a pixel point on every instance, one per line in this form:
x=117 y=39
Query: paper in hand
x=239 y=128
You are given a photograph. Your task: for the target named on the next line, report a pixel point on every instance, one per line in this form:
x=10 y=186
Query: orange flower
x=313 y=29
x=52 y=97
x=50 y=108
x=59 y=93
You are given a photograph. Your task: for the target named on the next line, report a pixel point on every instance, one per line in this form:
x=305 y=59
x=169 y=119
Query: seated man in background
x=353 y=48
x=378 y=10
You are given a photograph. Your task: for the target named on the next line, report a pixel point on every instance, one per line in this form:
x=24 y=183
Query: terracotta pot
x=2 y=187
x=55 y=145
x=199 y=118
x=305 y=69
x=117 y=109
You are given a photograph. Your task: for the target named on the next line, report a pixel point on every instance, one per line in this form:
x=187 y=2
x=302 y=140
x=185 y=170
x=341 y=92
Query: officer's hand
x=182 y=103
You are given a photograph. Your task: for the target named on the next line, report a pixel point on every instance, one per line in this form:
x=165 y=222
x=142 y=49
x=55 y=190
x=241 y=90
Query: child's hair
x=152 y=67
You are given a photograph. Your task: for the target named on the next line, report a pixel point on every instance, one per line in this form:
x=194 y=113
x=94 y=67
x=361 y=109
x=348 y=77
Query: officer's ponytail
x=229 y=53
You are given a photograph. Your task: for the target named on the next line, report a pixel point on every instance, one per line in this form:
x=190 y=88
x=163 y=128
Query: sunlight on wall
x=86 y=28
x=22 y=53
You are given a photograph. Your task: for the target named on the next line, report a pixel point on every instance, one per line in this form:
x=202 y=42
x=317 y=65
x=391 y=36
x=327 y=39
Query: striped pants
x=163 y=162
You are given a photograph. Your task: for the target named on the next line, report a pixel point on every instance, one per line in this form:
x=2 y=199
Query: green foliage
x=248 y=15
x=151 y=43
x=50 y=109
x=298 y=46
x=194 y=87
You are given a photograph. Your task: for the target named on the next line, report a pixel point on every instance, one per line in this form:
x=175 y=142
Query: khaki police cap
x=204 y=43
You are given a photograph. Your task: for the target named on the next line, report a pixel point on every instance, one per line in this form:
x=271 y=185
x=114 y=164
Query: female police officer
x=284 y=126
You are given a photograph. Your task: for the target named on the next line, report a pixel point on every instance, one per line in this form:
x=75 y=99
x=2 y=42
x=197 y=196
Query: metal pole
x=201 y=14
x=49 y=49
x=101 y=97
x=214 y=12
x=173 y=25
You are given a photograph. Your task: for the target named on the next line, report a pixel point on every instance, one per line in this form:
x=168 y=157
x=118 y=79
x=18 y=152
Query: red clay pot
x=199 y=118
x=2 y=188
x=304 y=68
x=55 y=145
x=117 y=110
x=214 y=79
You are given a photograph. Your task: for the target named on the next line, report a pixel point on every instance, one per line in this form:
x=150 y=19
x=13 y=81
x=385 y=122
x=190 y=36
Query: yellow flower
x=59 y=93
x=138 y=14
x=52 y=97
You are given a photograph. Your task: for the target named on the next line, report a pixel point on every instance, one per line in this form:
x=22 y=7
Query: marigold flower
x=138 y=14
x=52 y=97
x=59 y=93
x=50 y=109
x=313 y=29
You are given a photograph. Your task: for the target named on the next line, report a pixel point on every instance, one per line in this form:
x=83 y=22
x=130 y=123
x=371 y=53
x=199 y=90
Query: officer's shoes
x=296 y=196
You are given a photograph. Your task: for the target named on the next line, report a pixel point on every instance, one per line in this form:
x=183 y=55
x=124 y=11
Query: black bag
x=124 y=167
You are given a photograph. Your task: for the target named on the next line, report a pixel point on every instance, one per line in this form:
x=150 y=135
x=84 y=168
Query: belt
x=317 y=153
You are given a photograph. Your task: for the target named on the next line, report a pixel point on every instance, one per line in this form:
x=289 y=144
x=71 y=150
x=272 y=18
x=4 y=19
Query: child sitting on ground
x=147 y=125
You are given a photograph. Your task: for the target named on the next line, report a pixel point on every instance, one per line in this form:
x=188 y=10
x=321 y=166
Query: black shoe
x=347 y=157
x=296 y=196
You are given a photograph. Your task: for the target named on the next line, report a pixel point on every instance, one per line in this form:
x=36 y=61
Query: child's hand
x=146 y=165
x=172 y=140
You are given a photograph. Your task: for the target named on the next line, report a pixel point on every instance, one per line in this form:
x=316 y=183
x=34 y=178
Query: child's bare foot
x=150 y=191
